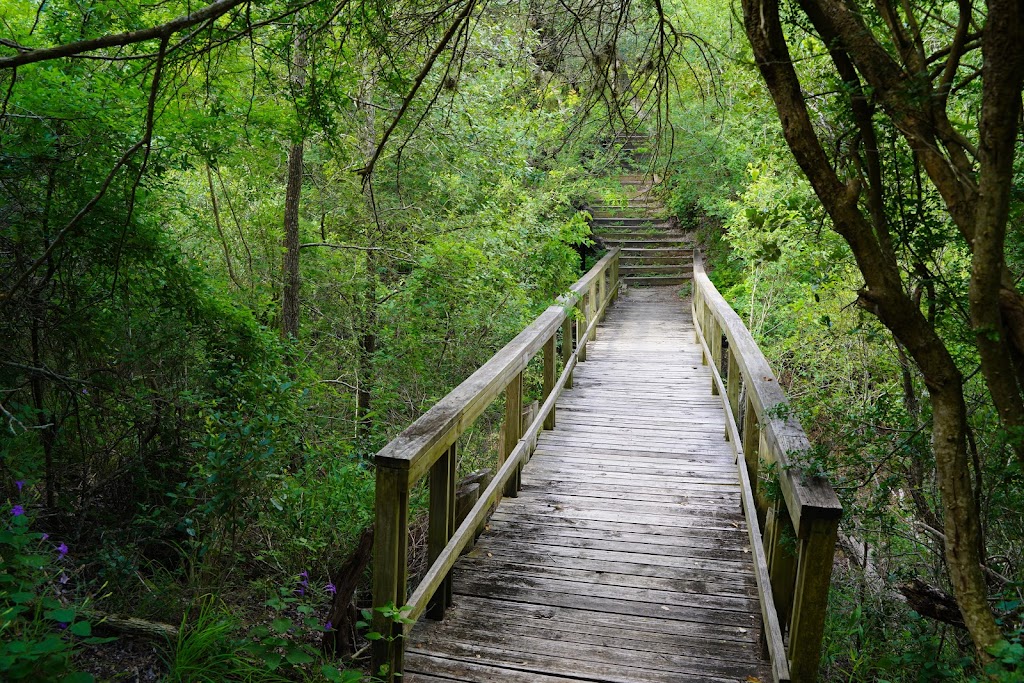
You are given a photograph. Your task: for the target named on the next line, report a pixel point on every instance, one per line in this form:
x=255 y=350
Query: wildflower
x=45 y=536
x=20 y=484
x=328 y=626
x=17 y=511
x=64 y=578
x=304 y=576
x=331 y=588
x=62 y=549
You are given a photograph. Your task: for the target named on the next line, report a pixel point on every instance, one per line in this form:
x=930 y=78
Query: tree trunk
x=290 y=269
x=886 y=297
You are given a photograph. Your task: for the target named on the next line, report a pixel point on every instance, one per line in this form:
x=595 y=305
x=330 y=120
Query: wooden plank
x=766 y=585
x=422 y=442
x=558 y=659
x=512 y=430
x=626 y=556
x=550 y=376
x=804 y=495
x=390 y=555
x=441 y=523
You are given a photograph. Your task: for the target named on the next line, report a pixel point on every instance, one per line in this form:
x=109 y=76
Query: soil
x=125 y=660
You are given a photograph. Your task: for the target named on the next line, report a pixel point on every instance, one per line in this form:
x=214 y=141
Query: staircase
x=654 y=251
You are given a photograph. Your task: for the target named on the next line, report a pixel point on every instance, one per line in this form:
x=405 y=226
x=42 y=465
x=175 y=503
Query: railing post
x=780 y=554
x=602 y=291
x=814 y=573
x=390 y=548
x=732 y=388
x=615 y=277
x=567 y=349
x=581 y=326
x=550 y=377
x=715 y=344
x=698 y=313
x=594 y=305
x=513 y=430
x=441 y=524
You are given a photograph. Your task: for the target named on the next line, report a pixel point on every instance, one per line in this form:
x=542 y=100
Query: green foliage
x=40 y=628
x=206 y=651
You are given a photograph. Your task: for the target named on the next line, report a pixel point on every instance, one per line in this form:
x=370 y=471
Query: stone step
x=674 y=269
x=642 y=243
x=626 y=213
x=675 y=240
x=630 y=261
x=655 y=280
x=679 y=250
x=627 y=222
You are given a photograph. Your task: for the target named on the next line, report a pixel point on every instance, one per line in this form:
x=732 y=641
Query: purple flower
x=64 y=579
x=300 y=591
x=328 y=626
x=304 y=575
x=45 y=536
x=62 y=549
x=331 y=588
x=20 y=484
x=17 y=511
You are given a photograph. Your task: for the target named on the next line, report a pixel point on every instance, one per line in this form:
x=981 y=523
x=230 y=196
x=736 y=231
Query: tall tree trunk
x=290 y=295
x=885 y=296
x=1002 y=74
x=368 y=310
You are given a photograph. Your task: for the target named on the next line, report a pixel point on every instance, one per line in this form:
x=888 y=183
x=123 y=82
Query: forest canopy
x=243 y=245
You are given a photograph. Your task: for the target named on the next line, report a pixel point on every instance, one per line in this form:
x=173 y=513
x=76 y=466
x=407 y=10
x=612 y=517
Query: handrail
x=429 y=445
x=805 y=515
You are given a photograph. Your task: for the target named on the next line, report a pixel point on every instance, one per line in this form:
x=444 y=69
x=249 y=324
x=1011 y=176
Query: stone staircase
x=654 y=252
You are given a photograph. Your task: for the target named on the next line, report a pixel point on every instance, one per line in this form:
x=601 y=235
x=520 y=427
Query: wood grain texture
x=625 y=558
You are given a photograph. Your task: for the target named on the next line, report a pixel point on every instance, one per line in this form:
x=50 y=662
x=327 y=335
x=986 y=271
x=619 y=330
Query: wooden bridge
x=651 y=523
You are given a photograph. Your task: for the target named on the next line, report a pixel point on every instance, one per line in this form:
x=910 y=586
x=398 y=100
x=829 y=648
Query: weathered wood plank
x=626 y=555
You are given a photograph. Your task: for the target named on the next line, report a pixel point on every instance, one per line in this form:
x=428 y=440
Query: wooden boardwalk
x=625 y=557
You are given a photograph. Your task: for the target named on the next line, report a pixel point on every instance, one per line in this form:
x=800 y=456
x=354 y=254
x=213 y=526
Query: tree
x=904 y=67
x=293 y=193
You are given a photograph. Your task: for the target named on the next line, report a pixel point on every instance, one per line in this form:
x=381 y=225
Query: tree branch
x=30 y=56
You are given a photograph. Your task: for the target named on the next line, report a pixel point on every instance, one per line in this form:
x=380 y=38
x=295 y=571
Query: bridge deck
x=625 y=557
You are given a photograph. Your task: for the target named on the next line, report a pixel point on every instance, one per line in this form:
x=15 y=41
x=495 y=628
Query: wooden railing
x=428 y=448
x=799 y=513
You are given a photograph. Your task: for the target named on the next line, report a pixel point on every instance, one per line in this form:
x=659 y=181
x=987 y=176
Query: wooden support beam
x=715 y=342
x=567 y=343
x=441 y=524
x=581 y=338
x=594 y=303
x=390 y=567
x=733 y=384
x=814 y=573
x=615 y=277
x=780 y=548
x=550 y=375
x=513 y=430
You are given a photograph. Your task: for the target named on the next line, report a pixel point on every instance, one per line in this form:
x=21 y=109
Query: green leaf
x=99 y=641
x=81 y=628
x=272 y=660
x=65 y=616
x=299 y=657
x=281 y=625
x=78 y=677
